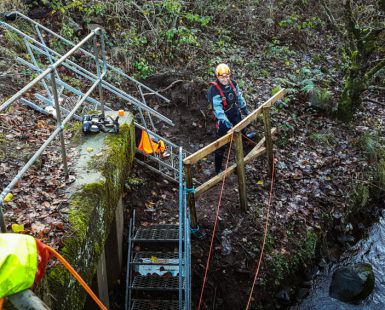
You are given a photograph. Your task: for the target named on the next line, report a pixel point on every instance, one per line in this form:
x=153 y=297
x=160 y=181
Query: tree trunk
x=356 y=83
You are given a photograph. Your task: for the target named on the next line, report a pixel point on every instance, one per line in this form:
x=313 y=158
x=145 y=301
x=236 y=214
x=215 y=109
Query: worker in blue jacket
x=227 y=103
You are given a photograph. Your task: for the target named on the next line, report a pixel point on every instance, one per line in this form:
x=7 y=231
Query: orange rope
x=77 y=277
x=247 y=138
x=1 y=303
x=215 y=226
x=264 y=236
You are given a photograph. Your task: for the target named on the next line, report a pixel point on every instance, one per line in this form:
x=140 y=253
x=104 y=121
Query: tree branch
x=373 y=34
x=145 y=16
x=375 y=87
x=374 y=101
x=331 y=18
x=164 y=89
x=376 y=68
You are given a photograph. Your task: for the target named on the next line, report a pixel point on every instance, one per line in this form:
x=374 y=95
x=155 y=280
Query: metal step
x=147 y=304
x=156 y=258
x=155 y=283
x=157 y=233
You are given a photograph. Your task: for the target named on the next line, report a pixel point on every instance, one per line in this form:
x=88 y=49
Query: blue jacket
x=215 y=98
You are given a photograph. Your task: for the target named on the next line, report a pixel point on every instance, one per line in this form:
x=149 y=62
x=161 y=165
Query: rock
x=353 y=283
x=342 y=238
x=226 y=243
x=283 y=296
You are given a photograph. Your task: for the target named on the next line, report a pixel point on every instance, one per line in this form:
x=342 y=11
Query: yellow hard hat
x=222 y=69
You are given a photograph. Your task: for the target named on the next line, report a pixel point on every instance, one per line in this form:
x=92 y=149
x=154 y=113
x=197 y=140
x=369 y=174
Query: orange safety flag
x=148 y=145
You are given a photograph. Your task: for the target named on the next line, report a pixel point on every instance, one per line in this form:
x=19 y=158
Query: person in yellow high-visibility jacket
x=23 y=260
x=148 y=144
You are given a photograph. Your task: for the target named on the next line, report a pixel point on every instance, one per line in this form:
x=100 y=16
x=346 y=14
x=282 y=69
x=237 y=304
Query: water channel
x=370 y=250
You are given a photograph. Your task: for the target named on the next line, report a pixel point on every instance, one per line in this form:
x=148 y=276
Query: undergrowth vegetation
x=144 y=36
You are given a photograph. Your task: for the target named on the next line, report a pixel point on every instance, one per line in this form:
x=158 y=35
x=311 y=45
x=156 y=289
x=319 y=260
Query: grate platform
x=146 y=304
x=156 y=258
x=155 y=283
x=153 y=233
x=164 y=226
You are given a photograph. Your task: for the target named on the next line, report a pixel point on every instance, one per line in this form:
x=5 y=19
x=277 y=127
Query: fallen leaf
x=16 y=228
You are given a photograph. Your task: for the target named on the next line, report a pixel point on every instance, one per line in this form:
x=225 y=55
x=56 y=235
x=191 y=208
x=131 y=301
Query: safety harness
x=222 y=94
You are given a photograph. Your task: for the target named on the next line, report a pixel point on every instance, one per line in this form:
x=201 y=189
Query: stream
x=370 y=250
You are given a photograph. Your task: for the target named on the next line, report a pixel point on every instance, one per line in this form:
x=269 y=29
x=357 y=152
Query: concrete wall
x=93 y=245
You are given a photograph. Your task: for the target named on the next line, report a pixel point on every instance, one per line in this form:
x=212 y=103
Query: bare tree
x=363 y=32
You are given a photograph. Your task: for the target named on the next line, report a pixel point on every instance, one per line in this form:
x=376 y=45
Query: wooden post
x=269 y=141
x=190 y=197
x=240 y=169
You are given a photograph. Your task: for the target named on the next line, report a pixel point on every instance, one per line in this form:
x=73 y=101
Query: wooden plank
x=191 y=196
x=212 y=182
x=269 y=141
x=193 y=158
x=254 y=115
x=257 y=151
x=240 y=170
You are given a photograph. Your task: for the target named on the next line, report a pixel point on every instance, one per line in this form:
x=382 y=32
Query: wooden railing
x=265 y=145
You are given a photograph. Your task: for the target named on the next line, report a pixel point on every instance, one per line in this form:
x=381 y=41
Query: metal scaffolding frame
x=36 y=46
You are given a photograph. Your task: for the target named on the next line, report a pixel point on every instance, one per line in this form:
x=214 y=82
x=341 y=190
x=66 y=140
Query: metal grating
x=165 y=226
x=156 y=258
x=156 y=234
x=156 y=283
x=146 y=304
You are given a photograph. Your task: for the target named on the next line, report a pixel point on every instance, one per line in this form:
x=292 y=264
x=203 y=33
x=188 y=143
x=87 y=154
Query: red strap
x=234 y=89
x=43 y=257
x=223 y=97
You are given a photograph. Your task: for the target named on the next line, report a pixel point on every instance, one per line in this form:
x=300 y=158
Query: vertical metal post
x=269 y=141
x=144 y=101
x=103 y=48
x=181 y=222
x=190 y=197
x=100 y=88
x=240 y=169
x=3 y=227
x=58 y=122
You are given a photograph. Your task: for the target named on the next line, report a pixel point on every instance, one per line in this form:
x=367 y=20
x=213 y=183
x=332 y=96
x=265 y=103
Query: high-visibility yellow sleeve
x=18 y=263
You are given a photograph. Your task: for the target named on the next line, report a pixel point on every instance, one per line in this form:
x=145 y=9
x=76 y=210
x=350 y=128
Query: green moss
x=303 y=250
x=91 y=215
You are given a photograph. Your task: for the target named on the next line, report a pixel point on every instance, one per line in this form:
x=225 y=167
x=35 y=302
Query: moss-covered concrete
x=101 y=174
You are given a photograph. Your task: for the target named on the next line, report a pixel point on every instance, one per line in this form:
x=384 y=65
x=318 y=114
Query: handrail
x=193 y=158
x=59 y=126
x=90 y=75
x=241 y=160
x=89 y=54
x=48 y=70
x=181 y=224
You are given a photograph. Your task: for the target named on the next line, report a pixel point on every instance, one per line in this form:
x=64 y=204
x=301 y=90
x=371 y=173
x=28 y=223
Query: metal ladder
x=159 y=276
x=40 y=43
